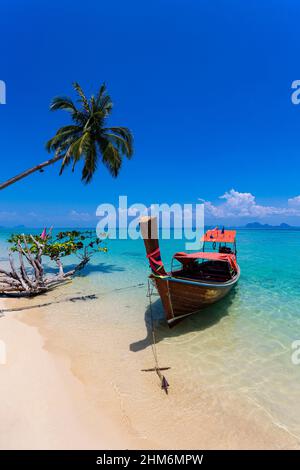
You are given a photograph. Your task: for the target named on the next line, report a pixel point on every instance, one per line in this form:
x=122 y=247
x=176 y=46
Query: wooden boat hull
x=181 y=298
x=187 y=290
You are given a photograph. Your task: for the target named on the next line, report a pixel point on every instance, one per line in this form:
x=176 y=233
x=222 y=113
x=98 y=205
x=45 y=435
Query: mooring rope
x=157 y=369
x=94 y=296
x=154 y=349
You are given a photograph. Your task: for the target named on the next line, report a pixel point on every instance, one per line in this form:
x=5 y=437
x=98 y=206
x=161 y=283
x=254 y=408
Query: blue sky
x=204 y=86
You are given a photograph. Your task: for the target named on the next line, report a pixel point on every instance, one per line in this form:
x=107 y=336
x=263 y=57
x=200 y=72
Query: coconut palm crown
x=88 y=139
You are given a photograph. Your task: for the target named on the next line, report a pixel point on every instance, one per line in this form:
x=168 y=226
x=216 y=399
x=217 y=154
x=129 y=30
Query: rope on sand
x=164 y=383
x=69 y=299
x=29 y=307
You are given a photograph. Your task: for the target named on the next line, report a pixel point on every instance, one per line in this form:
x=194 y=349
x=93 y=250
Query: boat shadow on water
x=202 y=320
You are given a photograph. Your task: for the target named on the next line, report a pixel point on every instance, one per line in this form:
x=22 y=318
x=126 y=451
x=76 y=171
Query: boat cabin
x=217 y=266
x=222 y=241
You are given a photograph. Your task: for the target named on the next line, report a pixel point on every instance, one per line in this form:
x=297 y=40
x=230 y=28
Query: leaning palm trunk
x=87 y=139
x=39 y=167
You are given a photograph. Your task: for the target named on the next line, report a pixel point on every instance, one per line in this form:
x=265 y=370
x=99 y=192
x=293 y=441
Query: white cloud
x=294 y=202
x=244 y=205
x=80 y=216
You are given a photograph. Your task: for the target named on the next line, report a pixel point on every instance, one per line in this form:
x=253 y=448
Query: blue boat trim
x=199 y=283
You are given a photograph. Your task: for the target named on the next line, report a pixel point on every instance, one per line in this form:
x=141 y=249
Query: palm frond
x=90 y=161
x=122 y=134
x=111 y=158
x=82 y=98
x=105 y=104
x=72 y=154
x=61 y=135
x=85 y=143
x=120 y=143
x=101 y=92
x=63 y=102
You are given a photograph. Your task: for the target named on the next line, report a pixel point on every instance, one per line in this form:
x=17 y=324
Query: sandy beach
x=41 y=399
x=47 y=388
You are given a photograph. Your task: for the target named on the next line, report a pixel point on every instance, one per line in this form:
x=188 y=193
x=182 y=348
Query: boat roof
x=183 y=257
x=217 y=235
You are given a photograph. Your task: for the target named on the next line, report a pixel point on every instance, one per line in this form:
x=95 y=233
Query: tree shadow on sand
x=196 y=322
x=102 y=268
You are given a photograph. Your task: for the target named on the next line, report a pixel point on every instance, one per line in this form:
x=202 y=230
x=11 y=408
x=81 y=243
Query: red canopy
x=184 y=258
x=217 y=235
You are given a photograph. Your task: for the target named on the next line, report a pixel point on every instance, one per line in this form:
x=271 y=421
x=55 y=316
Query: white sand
x=43 y=406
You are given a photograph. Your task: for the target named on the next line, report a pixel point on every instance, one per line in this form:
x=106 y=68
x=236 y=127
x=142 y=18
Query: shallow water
x=238 y=347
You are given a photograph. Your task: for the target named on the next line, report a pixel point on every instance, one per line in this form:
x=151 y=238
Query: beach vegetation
x=30 y=276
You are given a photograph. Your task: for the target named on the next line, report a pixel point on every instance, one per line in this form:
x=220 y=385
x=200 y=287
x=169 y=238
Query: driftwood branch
x=26 y=276
x=23 y=282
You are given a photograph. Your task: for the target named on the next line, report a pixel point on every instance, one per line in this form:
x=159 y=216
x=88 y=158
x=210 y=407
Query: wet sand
x=66 y=386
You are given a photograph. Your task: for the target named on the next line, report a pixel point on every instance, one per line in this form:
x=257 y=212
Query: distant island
x=258 y=225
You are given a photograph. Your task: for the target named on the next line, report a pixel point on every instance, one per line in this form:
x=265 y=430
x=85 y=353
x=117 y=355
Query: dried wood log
x=19 y=282
x=26 y=276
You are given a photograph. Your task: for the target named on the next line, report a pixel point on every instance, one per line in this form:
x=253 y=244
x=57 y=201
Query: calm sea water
x=243 y=343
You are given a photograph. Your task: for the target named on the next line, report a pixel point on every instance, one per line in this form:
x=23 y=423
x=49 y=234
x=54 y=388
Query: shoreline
x=44 y=405
x=49 y=389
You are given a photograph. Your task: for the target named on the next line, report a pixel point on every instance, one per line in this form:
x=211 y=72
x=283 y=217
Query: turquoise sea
x=242 y=345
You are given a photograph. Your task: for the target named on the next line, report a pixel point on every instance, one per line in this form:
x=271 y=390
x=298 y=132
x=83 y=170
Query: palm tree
x=87 y=139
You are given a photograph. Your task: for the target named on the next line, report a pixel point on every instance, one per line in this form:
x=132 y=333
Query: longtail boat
x=200 y=279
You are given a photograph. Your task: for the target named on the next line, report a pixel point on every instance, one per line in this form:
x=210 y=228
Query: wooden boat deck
x=208 y=271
